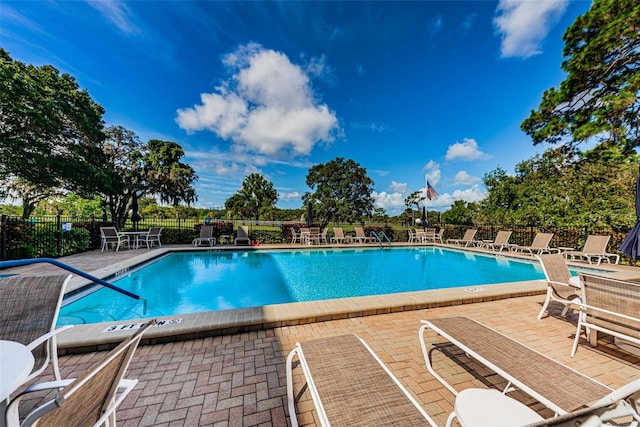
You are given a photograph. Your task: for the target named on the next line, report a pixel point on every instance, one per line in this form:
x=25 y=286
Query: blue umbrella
x=135 y=216
x=309 y=214
x=631 y=244
x=424 y=217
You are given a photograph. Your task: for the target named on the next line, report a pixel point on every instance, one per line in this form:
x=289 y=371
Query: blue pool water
x=189 y=282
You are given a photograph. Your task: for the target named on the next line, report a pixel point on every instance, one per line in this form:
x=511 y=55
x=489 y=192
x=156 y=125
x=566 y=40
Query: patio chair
x=339 y=237
x=323 y=236
x=91 y=399
x=595 y=247
x=153 y=236
x=29 y=310
x=351 y=386
x=611 y=306
x=500 y=242
x=467 y=239
x=296 y=236
x=540 y=245
x=243 y=235
x=559 y=288
x=556 y=386
x=111 y=236
x=361 y=237
x=206 y=236
x=411 y=236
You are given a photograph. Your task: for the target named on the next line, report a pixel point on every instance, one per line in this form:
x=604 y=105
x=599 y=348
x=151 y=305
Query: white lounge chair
x=556 y=386
x=29 y=309
x=111 y=236
x=361 y=237
x=608 y=305
x=351 y=386
x=339 y=237
x=559 y=288
x=540 y=245
x=595 y=248
x=467 y=239
x=206 y=236
x=500 y=242
x=89 y=400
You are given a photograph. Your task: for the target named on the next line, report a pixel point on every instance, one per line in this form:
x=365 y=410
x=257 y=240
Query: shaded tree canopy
x=600 y=96
x=151 y=169
x=342 y=191
x=256 y=197
x=50 y=130
x=594 y=188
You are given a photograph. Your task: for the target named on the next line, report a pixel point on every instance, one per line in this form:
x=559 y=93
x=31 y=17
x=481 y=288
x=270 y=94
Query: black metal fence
x=55 y=236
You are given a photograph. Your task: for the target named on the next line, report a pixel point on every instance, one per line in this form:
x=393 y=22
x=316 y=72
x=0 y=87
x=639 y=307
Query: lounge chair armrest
x=584 y=307
x=567 y=285
x=47 y=336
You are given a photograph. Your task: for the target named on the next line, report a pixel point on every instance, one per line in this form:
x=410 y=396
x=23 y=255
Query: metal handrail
x=19 y=262
x=379 y=238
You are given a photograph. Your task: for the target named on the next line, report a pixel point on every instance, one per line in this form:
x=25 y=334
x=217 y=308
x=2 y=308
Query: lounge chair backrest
x=470 y=234
x=556 y=270
x=612 y=298
x=243 y=232
x=29 y=308
x=109 y=232
x=359 y=232
x=596 y=244
x=206 y=231
x=337 y=231
x=84 y=401
x=155 y=231
x=502 y=238
x=542 y=240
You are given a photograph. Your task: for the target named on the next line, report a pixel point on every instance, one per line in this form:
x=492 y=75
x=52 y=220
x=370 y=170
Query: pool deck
x=228 y=369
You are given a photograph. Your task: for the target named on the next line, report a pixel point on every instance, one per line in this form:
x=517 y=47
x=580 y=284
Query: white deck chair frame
x=324 y=421
x=511 y=379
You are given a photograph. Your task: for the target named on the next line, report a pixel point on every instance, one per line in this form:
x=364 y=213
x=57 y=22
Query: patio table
x=16 y=363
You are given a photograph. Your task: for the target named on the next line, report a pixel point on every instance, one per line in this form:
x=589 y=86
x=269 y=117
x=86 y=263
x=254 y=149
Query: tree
x=50 y=130
x=256 y=197
x=414 y=199
x=461 y=212
x=342 y=191
x=125 y=155
x=590 y=189
x=600 y=96
x=154 y=168
x=30 y=194
x=166 y=175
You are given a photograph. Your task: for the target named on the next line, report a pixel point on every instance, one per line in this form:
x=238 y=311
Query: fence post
x=4 y=229
x=58 y=235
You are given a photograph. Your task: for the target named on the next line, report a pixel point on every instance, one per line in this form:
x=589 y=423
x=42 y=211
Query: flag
x=431 y=192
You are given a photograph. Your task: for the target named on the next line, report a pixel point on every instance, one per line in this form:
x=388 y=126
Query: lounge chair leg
x=565 y=310
x=546 y=304
x=450 y=419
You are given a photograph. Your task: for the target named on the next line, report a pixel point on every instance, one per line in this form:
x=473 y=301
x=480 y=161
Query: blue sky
x=406 y=89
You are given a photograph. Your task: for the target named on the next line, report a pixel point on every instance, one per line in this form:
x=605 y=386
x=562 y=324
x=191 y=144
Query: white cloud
x=118 y=13
x=463 y=178
x=399 y=187
x=523 y=25
x=390 y=202
x=465 y=150
x=292 y=195
x=268 y=106
x=373 y=127
x=471 y=194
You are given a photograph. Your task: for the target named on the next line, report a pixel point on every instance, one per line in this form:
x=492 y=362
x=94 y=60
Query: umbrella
x=309 y=214
x=135 y=216
x=631 y=244
x=424 y=217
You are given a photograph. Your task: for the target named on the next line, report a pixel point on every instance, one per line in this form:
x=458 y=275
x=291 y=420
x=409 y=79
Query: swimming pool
x=190 y=282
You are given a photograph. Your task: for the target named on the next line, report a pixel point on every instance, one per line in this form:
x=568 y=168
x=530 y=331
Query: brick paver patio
x=240 y=380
